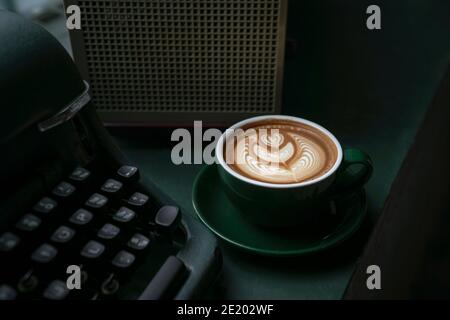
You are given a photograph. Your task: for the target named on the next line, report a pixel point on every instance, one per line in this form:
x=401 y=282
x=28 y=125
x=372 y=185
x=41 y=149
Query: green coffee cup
x=292 y=204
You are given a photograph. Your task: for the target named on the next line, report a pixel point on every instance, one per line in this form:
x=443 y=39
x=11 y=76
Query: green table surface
x=371 y=88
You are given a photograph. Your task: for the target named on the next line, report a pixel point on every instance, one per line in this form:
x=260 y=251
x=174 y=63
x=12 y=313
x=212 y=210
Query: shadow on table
x=311 y=265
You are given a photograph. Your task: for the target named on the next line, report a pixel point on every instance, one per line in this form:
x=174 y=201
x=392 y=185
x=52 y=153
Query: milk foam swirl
x=281 y=153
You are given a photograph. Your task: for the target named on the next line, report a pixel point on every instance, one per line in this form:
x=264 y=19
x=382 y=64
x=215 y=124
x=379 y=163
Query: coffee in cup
x=280 y=151
x=280 y=169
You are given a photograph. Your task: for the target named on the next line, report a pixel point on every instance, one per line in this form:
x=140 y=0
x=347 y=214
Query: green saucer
x=211 y=204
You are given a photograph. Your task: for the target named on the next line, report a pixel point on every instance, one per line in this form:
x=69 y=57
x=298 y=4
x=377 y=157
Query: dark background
x=370 y=88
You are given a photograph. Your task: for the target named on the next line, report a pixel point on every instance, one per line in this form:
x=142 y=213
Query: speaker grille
x=191 y=56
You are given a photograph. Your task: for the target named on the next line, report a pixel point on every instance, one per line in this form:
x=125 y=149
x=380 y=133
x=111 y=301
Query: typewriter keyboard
x=92 y=236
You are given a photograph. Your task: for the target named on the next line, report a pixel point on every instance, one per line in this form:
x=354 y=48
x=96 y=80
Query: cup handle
x=355 y=170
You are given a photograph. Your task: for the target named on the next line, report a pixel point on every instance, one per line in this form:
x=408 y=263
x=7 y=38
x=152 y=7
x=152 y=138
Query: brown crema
x=280 y=151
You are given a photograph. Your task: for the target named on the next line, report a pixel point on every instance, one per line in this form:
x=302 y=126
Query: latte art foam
x=280 y=152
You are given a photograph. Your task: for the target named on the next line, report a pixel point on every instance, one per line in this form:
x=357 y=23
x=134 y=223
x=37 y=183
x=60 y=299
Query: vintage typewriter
x=71 y=203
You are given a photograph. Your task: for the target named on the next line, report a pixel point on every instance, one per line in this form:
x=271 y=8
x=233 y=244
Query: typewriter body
x=71 y=201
